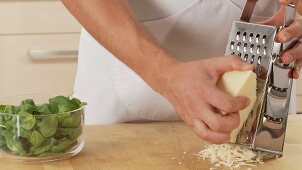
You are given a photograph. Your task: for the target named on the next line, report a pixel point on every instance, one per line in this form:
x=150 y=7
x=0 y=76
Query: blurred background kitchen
x=39 y=42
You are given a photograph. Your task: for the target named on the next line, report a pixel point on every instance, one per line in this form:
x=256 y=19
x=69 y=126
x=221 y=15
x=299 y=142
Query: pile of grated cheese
x=232 y=156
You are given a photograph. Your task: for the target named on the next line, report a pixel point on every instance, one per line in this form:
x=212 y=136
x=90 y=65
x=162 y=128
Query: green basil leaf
x=23 y=133
x=2 y=108
x=36 y=138
x=2 y=119
x=28 y=105
x=2 y=141
x=44 y=109
x=54 y=108
x=62 y=145
x=73 y=121
x=62 y=117
x=72 y=133
x=27 y=120
x=10 y=124
x=82 y=104
x=13 y=143
x=47 y=154
x=64 y=103
x=48 y=126
x=2 y=137
x=44 y=147
x=28 y=101
x=76 y=101
x=10 y=109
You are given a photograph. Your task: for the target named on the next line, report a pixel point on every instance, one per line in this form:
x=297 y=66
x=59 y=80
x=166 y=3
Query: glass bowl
x=39 y=137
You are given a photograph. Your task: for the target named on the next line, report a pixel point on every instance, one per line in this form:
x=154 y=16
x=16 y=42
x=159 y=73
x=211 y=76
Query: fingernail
x=283 y=36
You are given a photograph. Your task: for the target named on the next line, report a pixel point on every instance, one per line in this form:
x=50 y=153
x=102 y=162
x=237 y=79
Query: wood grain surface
x=155 y=146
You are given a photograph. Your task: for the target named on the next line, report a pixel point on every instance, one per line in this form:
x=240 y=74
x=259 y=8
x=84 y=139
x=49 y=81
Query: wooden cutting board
x=155 y=146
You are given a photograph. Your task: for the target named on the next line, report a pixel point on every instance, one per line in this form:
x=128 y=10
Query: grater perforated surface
x=253 y=43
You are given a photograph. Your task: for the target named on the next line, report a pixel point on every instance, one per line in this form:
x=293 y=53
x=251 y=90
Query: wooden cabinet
x=38 y=48
x=36 y=16
x=22 y=72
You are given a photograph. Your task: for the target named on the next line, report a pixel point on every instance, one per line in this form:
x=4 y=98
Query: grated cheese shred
x=232 y=156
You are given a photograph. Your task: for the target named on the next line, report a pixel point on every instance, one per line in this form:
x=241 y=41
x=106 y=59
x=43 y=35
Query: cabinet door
x=38 y=16
x=38 y=64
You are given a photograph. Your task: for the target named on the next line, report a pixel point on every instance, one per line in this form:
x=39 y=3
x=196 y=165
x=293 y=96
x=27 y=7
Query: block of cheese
x=239 y=83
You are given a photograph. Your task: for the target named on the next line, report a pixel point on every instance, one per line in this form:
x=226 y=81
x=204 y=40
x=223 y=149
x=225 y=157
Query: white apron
x=188 y=29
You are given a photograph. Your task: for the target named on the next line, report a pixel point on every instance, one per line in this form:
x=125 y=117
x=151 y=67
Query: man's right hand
x=191 y=88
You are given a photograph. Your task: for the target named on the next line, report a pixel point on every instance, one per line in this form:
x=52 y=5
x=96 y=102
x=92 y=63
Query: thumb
x=299 y=8
x=298 y=4
x=231 y=63
x=277 y=19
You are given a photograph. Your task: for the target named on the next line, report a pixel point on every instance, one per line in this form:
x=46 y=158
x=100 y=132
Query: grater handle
x=289 y=15
x=248 y=10
x=280 y=79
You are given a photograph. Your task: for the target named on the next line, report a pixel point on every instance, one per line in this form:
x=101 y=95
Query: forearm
x=113 y=24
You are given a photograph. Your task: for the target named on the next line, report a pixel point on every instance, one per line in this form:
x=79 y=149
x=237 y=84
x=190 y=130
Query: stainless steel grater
x=265 y=128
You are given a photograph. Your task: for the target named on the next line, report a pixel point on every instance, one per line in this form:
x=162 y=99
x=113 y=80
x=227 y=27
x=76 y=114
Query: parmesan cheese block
x=239 y=83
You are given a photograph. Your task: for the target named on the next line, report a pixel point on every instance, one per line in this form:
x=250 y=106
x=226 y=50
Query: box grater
x=265 y=128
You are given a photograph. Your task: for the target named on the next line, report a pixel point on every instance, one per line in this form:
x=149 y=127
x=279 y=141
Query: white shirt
x=188 y=29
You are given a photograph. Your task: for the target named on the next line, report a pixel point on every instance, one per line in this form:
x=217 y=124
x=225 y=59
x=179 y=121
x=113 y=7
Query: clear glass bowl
x=40 y=138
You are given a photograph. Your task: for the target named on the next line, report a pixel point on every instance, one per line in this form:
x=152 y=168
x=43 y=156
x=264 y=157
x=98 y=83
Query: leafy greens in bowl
x=47 y=131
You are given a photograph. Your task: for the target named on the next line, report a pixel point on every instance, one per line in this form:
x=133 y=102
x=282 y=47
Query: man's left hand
x=291 y=32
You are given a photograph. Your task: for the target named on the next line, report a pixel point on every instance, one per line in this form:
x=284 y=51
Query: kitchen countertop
x=155 y=146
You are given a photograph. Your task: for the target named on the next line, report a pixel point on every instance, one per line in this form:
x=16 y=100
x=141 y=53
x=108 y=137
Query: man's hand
x=297 y=3
x=290 y=33
x=191 y=88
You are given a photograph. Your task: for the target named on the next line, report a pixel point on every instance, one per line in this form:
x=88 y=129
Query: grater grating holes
x=238 y=46
x=259 y=68
x=238 y=35
x=258 y=49
x=252 y=48
x=259 y=60
x=257 y=38
x=232 y=45
x=245 y=57
x=244 y=36
x=265 y=50
x=251 y=37
x=263 y=39
x=245 y=47
x=252 y=59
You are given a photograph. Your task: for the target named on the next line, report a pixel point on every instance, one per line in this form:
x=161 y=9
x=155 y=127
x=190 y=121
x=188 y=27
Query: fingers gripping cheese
x=239 y=83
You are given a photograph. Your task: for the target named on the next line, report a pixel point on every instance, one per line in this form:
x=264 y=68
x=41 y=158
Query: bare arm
x=189 y=86
x=113 y=24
